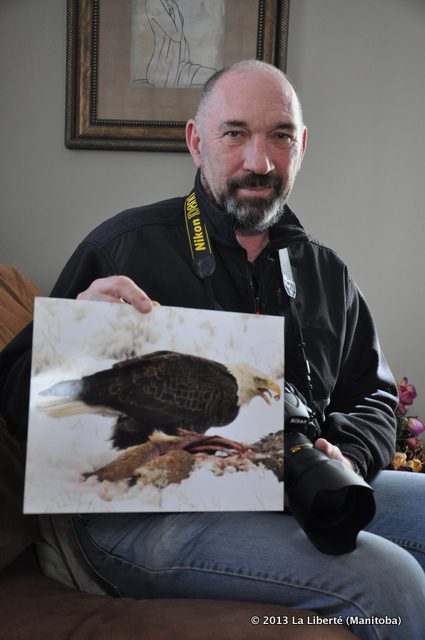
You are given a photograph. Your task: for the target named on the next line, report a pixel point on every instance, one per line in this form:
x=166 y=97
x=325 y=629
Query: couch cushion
x=16 y=530
x=33 y=606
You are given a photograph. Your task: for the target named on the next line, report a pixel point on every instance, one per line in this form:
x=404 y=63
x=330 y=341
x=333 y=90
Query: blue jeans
x=266 y=557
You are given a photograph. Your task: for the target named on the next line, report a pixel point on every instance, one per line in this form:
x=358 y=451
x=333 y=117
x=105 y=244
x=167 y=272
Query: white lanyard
x=286 y=269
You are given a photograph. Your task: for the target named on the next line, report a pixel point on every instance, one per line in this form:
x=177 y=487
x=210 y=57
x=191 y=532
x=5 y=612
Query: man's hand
x=118 y=289
x=333 y=452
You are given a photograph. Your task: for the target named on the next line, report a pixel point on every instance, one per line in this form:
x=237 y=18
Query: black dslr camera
x=329 y=500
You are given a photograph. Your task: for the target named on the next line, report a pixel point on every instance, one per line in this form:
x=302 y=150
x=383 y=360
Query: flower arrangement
x=409 y=455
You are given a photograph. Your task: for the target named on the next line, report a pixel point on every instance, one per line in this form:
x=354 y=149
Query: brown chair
x=33 y=606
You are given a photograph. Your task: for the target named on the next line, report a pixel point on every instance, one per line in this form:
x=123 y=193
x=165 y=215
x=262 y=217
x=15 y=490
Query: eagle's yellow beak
x=269 y=389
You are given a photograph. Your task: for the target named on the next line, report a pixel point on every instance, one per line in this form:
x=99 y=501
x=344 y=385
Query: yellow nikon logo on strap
x=196 y=230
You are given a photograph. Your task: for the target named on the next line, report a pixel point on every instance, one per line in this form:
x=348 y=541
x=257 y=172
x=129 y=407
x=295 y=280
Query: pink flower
x=406 y=394
x=415 y=426
x=412 y=443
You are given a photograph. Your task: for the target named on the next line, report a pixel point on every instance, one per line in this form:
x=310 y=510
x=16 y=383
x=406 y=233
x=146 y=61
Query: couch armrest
x=16 y=302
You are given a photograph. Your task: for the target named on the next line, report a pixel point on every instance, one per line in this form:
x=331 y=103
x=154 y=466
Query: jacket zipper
x=254 y=285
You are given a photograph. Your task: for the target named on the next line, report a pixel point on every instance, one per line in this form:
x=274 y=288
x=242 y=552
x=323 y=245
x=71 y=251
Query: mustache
x=273 y=180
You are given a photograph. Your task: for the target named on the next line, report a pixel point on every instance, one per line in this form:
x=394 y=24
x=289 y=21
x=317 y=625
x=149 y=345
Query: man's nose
x=256 y=158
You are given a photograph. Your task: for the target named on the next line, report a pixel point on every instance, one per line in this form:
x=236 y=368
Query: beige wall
x=359 y=69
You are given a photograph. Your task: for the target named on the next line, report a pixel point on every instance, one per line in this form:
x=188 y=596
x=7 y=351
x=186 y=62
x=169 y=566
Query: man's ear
x=304 y=142
x=303 y=147
x=193 y=141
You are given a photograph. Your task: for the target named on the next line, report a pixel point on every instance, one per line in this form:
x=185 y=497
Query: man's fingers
x=118 y=289
x=333 y=452
x=325 y=447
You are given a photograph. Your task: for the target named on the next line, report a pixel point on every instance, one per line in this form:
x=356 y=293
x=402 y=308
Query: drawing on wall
x=176 y=43
x=175 y=410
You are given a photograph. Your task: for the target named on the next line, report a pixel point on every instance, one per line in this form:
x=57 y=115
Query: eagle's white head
x=252 y=382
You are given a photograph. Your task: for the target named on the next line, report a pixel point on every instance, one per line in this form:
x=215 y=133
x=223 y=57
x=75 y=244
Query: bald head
x=243 y=68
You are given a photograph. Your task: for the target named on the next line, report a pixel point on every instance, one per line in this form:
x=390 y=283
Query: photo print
x=174 y=410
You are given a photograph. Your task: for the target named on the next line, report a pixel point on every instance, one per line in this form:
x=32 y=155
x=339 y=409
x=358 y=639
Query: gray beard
x=256 y=216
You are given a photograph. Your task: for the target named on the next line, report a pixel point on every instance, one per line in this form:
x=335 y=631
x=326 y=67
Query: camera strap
x=291 y=290
x=286 y=269
x=203 y=262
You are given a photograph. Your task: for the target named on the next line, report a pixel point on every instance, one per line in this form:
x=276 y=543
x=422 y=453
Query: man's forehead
x=254 y=113
x=238 y=94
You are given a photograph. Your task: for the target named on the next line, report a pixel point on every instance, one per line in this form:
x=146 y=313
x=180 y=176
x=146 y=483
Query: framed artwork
x=135 y=68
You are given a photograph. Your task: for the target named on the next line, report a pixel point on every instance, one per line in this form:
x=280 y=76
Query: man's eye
x=233 y=134
x=285 y=138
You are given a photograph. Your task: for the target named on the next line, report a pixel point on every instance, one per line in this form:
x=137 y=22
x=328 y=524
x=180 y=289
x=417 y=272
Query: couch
x=36 y=607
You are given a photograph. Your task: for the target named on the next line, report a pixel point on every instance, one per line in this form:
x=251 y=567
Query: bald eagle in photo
x=163 y=391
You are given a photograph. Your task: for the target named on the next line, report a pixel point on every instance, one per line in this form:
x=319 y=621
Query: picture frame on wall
x=135 y=68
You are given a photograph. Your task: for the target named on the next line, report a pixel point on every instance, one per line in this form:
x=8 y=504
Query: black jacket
x=353 y=389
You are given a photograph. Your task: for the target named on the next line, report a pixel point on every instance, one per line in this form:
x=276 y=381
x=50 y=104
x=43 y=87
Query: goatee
x=254 y=214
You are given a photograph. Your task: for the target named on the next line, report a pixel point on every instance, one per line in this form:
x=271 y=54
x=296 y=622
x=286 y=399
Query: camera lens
x=332 y=507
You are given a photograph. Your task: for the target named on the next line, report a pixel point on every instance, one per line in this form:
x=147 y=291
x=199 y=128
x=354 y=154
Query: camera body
x=299 y=417
x=330 y=501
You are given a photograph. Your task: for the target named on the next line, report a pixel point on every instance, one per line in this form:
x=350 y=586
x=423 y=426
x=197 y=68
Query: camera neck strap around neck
x=203 y=262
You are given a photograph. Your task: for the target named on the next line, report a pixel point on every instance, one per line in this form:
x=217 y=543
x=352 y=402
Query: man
x=248 y=140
